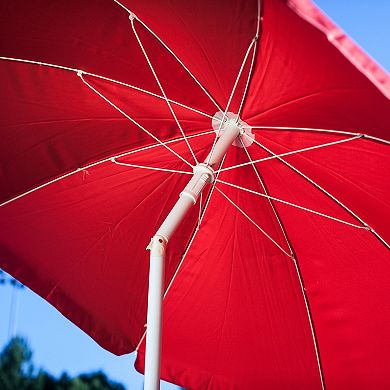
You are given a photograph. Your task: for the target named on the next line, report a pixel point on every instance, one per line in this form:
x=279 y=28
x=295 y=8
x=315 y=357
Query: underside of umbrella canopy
x=279 y=275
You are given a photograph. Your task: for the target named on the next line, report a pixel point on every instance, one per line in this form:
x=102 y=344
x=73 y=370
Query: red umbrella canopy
x=279 y=275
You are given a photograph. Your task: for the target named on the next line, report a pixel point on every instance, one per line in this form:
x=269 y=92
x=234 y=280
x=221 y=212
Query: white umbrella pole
x=153 y=339
x=203 y=174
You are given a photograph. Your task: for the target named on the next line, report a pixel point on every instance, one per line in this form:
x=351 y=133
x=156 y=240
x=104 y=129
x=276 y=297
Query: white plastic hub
x=231 y=117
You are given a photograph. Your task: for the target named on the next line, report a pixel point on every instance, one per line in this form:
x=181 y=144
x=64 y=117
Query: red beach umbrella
x=278 y=276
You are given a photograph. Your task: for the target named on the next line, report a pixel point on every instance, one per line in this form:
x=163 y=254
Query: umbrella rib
x=311 y=321
x=91 y=165
x=302 y=129
x=230 y=99
x=249 y=77
x=294 y=258
x=292 y=204
x=252 y=61
x=132 y=15
x=46 y=64
x=161 y=88
x=266 y=192
x=324 y=191
x=292 y=152
x=319 y=130
x=80 y=74
x=194 y=233
x=251 y=220
x=149 y=168
x=370 y=137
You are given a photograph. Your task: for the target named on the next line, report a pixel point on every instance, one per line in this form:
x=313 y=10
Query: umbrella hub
x=245 y=137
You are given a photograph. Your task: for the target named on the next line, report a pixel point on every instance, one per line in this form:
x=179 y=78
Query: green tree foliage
x=17 y=372
x=15 y=365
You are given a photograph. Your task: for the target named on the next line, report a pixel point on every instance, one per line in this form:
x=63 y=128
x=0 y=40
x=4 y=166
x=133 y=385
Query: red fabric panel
x=346 y=279
x=207 y=36
x=355 y=172
x=301 y=79
x=344 y=268
x=95 y=37
x=52 y=123
x=84 y=243
x=240 y=295
x=98 y=38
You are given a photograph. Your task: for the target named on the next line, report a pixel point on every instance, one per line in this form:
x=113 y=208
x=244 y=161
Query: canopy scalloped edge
x=350 y=49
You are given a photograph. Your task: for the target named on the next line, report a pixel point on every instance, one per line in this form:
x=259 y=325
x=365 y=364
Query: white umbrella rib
x=114 y=160
x=292 y=204
x=107 y=159
x=303 y=129
x=266 y=192
x=231 y=97
x=132 y=15
x=252 y=60
x=295 y=261
x=161 y=88
x=132 y=120
x=319 y=130
x=323 y=190
x=251 y=220
x=292 y=152
x=46 y=64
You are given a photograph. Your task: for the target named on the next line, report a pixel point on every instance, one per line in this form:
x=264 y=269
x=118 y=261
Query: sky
x=59 y=345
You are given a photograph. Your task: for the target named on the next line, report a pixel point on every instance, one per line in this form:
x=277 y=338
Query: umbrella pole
x=155 y=297
x=203 y=175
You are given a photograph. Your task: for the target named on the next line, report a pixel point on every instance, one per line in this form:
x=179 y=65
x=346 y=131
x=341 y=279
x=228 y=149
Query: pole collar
x=157 y=243
x=204 y=168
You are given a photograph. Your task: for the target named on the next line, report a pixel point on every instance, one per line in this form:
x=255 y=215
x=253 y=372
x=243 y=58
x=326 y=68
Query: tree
x=17 y=373
x=15 y=365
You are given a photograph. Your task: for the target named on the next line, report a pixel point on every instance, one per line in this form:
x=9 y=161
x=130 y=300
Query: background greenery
x=17 y=372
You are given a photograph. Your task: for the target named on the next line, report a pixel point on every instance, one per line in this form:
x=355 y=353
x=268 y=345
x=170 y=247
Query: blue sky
x=59 y=345
x=367 y=22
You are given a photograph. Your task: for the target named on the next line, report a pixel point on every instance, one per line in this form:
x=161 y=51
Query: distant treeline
x=17 y=372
